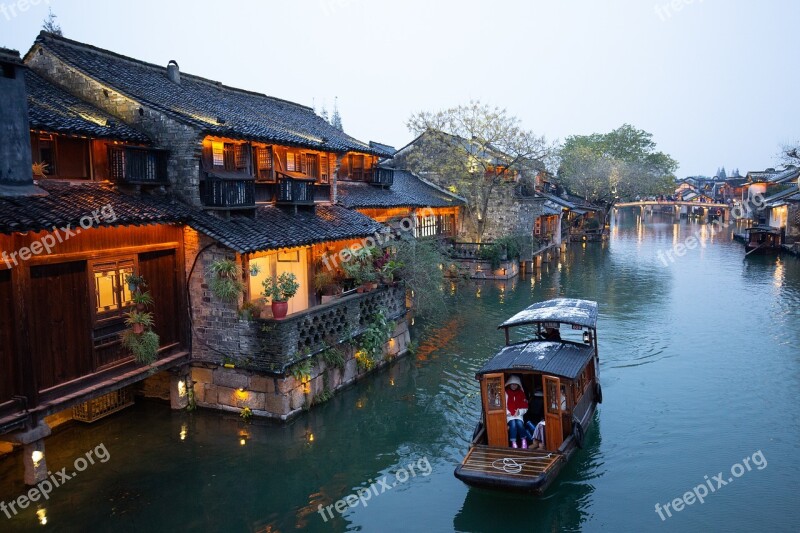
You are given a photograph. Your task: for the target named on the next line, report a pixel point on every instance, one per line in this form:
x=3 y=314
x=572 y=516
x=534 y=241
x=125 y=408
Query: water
x=700 y=368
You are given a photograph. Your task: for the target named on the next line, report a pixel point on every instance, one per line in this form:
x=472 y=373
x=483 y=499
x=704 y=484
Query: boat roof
x=565 y=359
x=567 y=310
x=763 y=229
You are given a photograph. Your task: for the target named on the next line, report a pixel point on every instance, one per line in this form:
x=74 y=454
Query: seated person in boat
x=516 y=407
x=552 y=334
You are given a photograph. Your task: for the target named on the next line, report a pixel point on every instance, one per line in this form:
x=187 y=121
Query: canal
x=700 y=365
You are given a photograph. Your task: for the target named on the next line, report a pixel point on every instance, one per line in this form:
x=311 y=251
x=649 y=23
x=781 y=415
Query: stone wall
x=184 y=142
x=284 y=396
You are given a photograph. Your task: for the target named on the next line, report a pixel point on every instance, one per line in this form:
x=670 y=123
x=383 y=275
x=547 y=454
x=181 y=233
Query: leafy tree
x=624 y=163
x=50 y=25
x=471 y=150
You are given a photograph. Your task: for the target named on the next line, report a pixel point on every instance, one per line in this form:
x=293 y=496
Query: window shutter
x=303 y=164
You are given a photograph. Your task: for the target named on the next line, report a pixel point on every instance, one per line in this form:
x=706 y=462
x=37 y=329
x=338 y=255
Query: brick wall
x=183 y=142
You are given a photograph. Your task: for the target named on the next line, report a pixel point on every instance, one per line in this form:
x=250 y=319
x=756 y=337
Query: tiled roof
x=383 y=147
x=7 y=55
x=52 y=109
x=273 y=228
x=67 y=203
x=201 y=102
x=407 y=190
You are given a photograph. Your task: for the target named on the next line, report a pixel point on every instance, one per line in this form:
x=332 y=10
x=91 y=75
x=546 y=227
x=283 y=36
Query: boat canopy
x=564 y=359
x=566 y=310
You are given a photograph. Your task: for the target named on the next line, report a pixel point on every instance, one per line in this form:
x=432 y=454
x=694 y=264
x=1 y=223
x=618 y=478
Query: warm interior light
x=241 y=393
x=37 y=457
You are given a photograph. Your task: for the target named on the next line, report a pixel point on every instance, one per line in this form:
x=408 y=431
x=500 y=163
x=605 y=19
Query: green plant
x=333 y=357
x=255 y=269
x=355 y=271
x=142 y=298
x=377 y=334
x=322 y=397
x=226 y=281
x=250 y=310
x=141 y=318
x=135 y=282
x=388 y=270
x=420 y=272
x=493 y=253
x=143 y=347
x=364 y=360
x=326 y=282
x=246 y=414
x=302 y=371
x=282 y=288
x=511 y=245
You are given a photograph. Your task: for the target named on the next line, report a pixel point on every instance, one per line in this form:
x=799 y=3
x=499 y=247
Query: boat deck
x=512 y=463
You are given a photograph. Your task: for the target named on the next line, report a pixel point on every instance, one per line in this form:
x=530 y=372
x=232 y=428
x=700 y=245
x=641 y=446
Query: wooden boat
x=559 y=374
x=762 y=239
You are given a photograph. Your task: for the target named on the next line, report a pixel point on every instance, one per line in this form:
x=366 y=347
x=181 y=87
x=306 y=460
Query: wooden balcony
x=282 y=342
x=137 y=166
x=228 y=191
x=294 y=191
x=383 y=177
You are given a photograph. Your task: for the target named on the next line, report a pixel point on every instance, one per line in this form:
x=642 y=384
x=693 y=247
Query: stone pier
x=33 y=454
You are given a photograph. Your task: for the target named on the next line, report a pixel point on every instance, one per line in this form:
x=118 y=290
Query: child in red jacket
x=516 y=407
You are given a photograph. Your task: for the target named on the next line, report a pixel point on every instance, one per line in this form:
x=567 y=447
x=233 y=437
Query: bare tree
x=50 y=25
x=471 y=150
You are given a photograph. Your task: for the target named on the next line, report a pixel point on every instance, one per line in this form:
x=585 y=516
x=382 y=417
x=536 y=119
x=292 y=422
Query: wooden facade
x=56 y=336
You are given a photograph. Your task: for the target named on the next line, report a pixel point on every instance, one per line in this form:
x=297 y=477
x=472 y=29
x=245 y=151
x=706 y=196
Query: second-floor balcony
x=294 y=190
x=381 y=176
x=228 y=190
x=138 y=166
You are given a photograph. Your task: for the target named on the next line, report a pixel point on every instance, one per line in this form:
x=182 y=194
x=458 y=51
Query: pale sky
x=715 y=81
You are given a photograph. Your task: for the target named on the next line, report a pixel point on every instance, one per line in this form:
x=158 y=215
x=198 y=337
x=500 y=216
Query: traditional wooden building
x=258 y=178
x=409 y=203
x=68 y=243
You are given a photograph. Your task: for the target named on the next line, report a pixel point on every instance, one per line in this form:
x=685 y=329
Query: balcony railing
x=138 y=166
x=294 y=191
x=229 y=193
x=282 y=342
x=381 y=176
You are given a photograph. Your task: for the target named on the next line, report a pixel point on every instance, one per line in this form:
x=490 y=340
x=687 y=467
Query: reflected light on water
x=778 y=276
x=41 y=514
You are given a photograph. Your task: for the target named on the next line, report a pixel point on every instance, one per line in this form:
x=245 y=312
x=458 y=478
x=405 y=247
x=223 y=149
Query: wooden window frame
x=100 y=319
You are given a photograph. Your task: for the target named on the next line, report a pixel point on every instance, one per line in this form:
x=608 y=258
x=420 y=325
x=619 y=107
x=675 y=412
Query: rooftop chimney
x=174 y=72
x=16 y=173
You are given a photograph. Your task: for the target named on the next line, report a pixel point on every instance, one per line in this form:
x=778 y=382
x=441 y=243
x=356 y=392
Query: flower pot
x=138 y=329
x=373 y=285
x=361 y=288
x=132 y=287
x=279 y=309
x=140 y=307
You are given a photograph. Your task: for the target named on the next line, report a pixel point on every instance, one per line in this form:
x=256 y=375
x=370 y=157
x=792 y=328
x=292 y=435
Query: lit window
x=111 y=293
x=218 y=151
x=291 y=162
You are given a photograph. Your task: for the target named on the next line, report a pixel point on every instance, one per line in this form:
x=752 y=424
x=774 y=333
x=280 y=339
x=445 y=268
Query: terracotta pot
x=361 y=288
x=140 y=307
x=138 y=329
x=279 y=309
x=373 y=285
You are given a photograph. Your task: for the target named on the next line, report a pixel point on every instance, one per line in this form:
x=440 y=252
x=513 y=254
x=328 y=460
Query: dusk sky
x=715 y=81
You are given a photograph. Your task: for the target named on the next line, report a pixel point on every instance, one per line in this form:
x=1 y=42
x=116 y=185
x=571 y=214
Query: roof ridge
x=44 y=36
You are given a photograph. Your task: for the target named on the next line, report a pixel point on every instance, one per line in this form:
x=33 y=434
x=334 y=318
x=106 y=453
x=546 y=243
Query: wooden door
x=494 y=407
x=160 y=271
x=61 y=324
x=9 y=385
x=554 y=435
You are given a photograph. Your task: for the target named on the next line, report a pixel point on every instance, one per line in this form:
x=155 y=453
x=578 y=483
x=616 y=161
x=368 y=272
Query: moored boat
x=556 y=362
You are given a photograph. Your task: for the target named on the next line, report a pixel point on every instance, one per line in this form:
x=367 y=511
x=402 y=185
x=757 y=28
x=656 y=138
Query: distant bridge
x=667 y=203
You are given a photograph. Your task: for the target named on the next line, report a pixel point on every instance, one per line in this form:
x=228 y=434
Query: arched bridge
x=715 y=210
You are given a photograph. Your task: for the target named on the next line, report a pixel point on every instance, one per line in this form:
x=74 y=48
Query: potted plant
x=135 y=282
x=327 y=285
x=355 y=271
x=143 y=347
x=138 y=321
x=388 y=270
x=142 y=300
x=279 y=291
x=226 y=281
